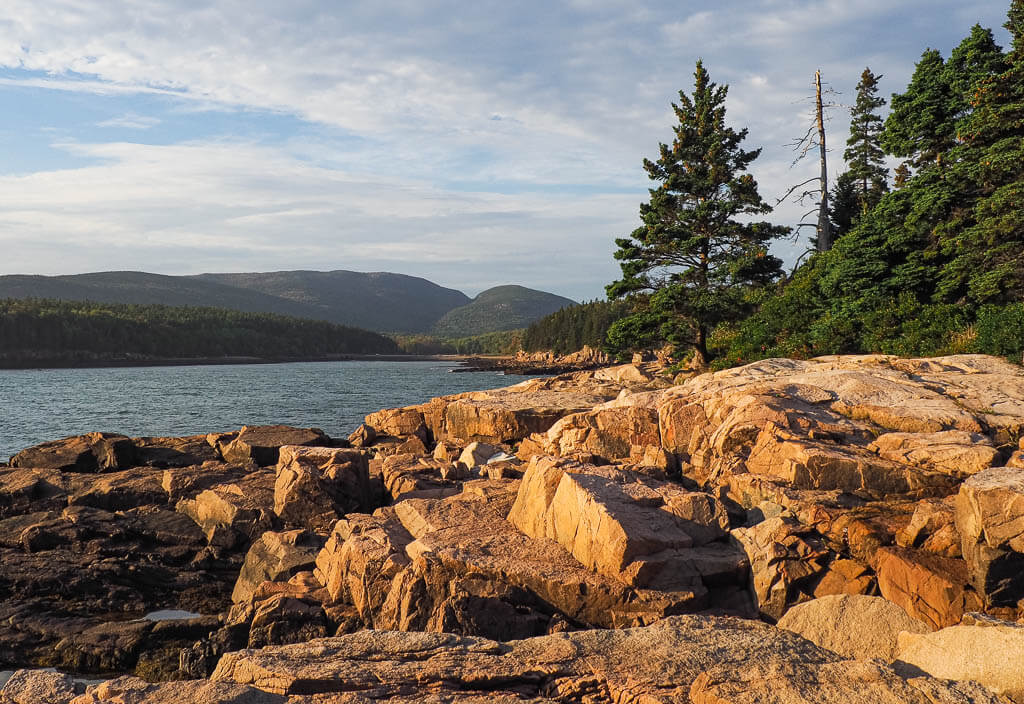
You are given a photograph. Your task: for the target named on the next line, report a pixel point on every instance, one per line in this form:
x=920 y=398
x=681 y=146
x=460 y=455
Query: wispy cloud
x=131 y=121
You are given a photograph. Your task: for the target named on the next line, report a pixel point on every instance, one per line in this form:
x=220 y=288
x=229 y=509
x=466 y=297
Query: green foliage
x=694 y=262
x=844 y=204
x=920 y=127
x=984 y=241
x=864 y=154
x=503 y=342
x=572 y=327
x=48 y=330
x=497 y=309
x=1000 y=330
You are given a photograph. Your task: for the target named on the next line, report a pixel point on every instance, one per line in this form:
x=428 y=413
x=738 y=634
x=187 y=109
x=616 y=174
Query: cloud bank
x=475 y=144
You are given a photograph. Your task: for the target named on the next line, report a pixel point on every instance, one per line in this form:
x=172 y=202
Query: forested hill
x=499 y=308
x=36 y=332
x=380 y=301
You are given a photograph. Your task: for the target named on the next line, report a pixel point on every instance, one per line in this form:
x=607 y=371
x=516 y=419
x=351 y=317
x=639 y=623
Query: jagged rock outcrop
x=545 y=514
x=990 y=519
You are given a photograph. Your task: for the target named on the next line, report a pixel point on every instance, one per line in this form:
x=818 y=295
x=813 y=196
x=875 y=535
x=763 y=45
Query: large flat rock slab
x=679 y=660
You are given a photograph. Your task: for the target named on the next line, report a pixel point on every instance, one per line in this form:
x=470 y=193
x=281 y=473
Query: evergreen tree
x=986 y=240
x=692 y=262
x=977 y=58
x=921 y=127
x=864 y=155
x=844 y=204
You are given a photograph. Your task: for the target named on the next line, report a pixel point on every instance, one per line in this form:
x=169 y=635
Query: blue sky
x=474 y=144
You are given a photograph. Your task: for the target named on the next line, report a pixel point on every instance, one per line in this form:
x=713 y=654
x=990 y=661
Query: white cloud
x=131 y=121
x=255 y=207
x=583 y=90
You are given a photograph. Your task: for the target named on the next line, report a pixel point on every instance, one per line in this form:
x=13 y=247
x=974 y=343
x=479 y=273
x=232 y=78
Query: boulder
x=361 y=558
x=955 y=452
x=275 y=557
x=787 y=560
x=638 y=530
x=283 y=619
x=930 y=588
x=856 y=627
x=118 y=490
x=619 y=433
x=398 y=422
x=133 y=690
x=188 y=482
x=990 y=655
x=846 y=577
x=990 y=519
x=477 y=454
x=316 y=485
x=27 y=490
x=261 y=444
x=505 y=417
x=410 y=476
x=93 y=452
x=39 y=687
x=233 y=514
x=174 y=451
x=828 y=683
x=932 y=528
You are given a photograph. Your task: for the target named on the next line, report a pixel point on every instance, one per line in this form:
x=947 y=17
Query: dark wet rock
x=261 y=444
x=93 y=452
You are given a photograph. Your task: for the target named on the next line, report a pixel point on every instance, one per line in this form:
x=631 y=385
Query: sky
x=471 y=143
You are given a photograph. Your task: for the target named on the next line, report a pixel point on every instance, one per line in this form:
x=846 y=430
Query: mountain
x=380 y=301
x=375 y=301
x=499 y=308
x=138 y=287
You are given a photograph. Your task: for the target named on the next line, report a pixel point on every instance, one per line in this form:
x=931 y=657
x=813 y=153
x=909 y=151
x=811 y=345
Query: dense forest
x=48 y=331
x=928 y=260
x=504 y=342
x=570 y=328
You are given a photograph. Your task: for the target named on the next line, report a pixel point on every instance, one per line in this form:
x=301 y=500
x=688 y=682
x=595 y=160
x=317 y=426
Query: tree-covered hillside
x=49 y=332
x=497 y=309
x=380 y=301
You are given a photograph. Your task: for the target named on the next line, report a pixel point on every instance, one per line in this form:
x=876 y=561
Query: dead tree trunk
x=824 y=224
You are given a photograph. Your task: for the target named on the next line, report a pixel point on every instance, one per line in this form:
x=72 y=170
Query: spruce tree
x=864 y=155
x=844 y=204
x=986 y=242
x=921 y=127
x=692 y=265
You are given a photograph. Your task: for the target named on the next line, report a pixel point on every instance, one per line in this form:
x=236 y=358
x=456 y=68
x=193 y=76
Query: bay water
x=38 y=405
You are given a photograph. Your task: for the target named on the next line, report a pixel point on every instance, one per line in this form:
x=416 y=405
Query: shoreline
x=51 y=363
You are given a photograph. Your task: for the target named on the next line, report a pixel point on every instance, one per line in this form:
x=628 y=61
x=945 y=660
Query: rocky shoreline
x=833 y=530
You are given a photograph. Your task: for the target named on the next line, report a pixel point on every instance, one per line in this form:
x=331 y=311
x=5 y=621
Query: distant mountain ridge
x=378 y=301
x=499 y=308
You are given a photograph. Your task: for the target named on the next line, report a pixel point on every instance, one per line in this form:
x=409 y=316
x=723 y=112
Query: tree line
x=572 y=327
x=71 y=331
x=930 y=261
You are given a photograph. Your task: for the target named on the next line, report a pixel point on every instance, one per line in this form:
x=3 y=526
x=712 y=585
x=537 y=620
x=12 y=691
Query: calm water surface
x=47 y=404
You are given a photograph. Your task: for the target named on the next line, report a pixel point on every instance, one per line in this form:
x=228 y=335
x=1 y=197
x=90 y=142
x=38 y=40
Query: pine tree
x=921 y=126
x=864 y=155
x=692 y=262
x=986 y=243
x=844 y=204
